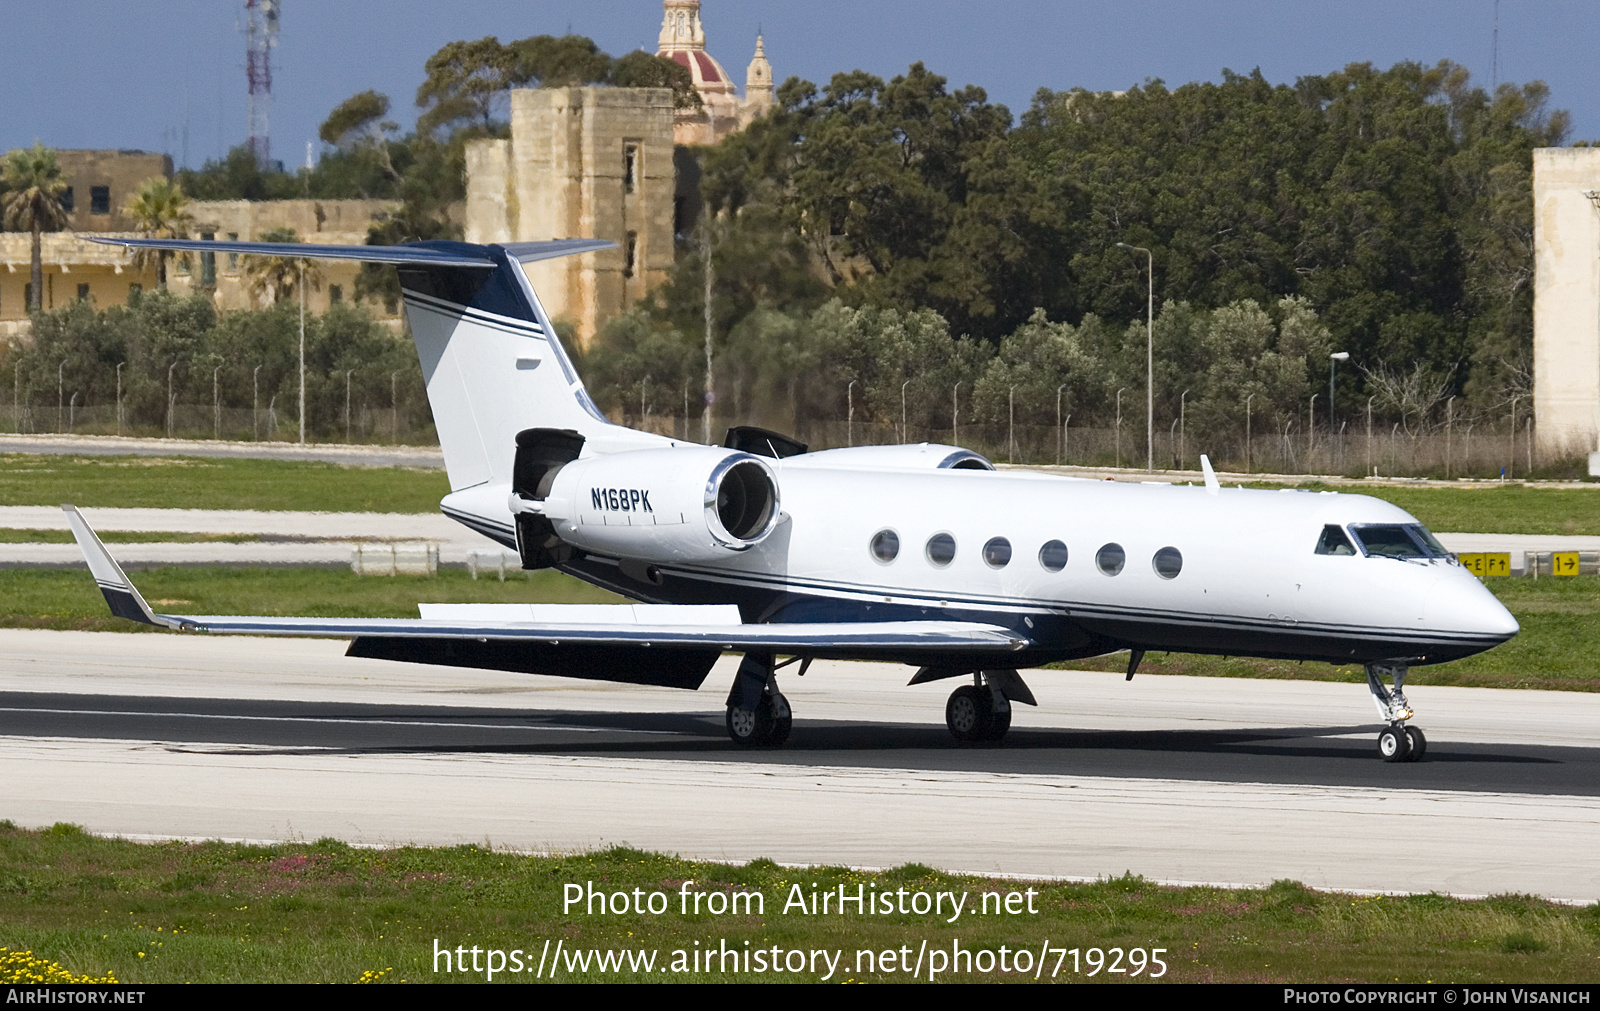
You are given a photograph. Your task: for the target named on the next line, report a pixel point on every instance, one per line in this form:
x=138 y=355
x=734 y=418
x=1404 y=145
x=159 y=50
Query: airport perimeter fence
x=1466 y=450
x=270 y=423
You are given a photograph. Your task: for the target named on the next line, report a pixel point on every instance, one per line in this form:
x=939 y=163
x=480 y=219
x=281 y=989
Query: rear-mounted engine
x=685 y=504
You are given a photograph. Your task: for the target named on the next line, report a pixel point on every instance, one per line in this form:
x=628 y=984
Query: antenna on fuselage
x=1212 y=485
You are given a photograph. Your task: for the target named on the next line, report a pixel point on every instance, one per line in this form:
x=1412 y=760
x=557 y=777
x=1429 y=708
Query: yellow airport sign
x=1563 y=563
x=1494 y=563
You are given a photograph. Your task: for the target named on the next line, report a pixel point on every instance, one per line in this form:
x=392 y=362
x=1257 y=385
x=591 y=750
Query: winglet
x=1212 y=485
x=120 y=593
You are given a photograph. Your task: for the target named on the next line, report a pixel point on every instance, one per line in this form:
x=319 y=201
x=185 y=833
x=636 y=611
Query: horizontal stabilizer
x=427 y=254
x=459 y=254
x=528 y=252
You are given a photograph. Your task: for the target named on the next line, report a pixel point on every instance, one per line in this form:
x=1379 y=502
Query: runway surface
x=1178 y=779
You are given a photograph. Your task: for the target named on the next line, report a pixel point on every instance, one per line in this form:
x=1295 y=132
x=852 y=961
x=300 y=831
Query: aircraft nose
x=1472 y=608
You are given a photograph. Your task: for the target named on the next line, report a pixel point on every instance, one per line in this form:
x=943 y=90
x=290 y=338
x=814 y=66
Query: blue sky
x=108 y=73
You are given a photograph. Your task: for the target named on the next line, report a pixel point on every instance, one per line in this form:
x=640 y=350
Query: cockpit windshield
x=1396 y=540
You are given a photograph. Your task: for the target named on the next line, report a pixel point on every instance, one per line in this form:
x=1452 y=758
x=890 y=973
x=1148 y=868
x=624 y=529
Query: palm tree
x=159 y=211
x=33 y=204
x=276 y=278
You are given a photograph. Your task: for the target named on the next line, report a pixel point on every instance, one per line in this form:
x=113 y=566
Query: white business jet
x=918 y=554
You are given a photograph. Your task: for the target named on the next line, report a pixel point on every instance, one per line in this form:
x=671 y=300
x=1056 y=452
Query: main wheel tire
x=750 y=728
x=999 y=723
x=970 y=714
x=1419 y=744
x=1394 y=744
x=782 y=721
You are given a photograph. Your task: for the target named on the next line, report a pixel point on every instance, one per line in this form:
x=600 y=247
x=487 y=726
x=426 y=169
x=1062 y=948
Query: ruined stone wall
x=581 y=163
x=1566 y=307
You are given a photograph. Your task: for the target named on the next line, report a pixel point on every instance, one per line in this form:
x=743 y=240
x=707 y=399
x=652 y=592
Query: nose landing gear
x=1397 y=742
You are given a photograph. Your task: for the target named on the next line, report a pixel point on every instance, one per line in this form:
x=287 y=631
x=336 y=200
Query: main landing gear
x=981 y=711
x=758 y=714
x=1397 y=742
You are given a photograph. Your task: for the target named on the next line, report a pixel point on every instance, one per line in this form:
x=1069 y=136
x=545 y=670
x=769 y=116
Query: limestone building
x=1566 y=302
x=602 y=163
x=581 y=163
x=100 y=184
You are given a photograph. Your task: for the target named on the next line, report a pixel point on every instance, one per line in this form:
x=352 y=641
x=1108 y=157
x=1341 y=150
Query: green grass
x=69 y=599
x=325 y=912
x=13 y=535
x=1558 y=647
x=183 y=482
x=1508 y=509
x=202 y=483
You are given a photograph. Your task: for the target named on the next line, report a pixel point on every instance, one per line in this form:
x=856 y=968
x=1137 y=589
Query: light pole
x=119 y=396
x=347 y=373
x=1370 y=469
x=1247 y=432
x=850 y=413
x=255 y=403
x=169 y=397
x=216 y=405
x=1119 y=426
x=1449 y=426
x=955 y=413
x=1150 y=359
x=1011 y=425
x=1311 y=425
x=1061 y=447
x=903 y=436
x=1333 y=367
x=61 y=389
x=1183 y=431
x=302 y=352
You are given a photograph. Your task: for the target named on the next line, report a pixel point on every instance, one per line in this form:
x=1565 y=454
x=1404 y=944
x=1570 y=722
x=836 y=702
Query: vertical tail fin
x=491 y=359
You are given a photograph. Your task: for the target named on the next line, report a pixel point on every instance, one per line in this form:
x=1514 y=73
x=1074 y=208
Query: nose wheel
x=1397 y=742
x=1402 y=744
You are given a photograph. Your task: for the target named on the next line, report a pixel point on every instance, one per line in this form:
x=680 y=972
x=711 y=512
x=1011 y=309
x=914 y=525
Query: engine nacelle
x=913 y=456
x=688 y=503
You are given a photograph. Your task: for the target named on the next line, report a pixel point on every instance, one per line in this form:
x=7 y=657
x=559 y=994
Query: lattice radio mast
x=261 y=37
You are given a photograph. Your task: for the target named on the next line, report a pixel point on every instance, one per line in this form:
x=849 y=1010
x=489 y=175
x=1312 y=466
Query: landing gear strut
x=1397 y=742
x=978 y=712
x=758 y=714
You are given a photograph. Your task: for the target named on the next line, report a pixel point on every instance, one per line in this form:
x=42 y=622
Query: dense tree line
x=175 y=346
x=901 y=246
x=1386 y=214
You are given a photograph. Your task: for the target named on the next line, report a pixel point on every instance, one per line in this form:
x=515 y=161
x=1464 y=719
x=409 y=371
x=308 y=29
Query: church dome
x=683 y=41
x=707 y=72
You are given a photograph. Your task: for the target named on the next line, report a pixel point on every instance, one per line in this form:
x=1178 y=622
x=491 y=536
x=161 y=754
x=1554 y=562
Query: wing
x=662 y=627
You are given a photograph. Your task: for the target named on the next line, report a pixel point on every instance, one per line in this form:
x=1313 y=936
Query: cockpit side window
x=1334 y=542
x=1429 y=541
x=1389 y=540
